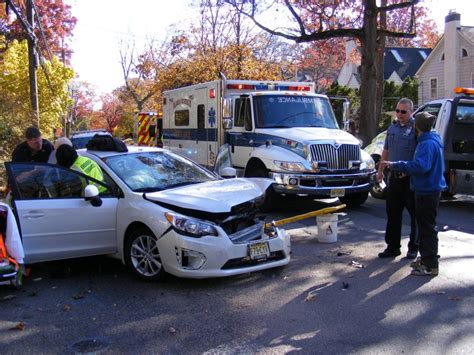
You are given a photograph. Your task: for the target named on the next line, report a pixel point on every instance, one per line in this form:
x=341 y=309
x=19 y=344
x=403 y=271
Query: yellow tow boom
x=304 y=216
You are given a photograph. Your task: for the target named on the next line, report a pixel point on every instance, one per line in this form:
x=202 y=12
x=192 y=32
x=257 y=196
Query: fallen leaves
x=19 y=326
x=310 y=297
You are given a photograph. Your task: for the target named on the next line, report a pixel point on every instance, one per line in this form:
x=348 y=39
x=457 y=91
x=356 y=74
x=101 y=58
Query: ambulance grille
x=336 y=157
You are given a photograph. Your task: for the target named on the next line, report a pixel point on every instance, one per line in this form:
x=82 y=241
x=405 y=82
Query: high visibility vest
x=90 y=168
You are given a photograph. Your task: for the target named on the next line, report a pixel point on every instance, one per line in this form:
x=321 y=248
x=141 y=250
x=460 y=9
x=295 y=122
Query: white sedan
x=156 y=211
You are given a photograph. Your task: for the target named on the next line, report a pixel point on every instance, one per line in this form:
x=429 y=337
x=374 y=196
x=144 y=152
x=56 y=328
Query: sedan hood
x=213 y=196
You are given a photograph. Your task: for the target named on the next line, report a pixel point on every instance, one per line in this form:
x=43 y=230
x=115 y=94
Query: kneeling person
x=67 y=157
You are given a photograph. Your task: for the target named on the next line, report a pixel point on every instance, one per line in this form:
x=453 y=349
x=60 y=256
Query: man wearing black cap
x=427 y=181
x=33 y=149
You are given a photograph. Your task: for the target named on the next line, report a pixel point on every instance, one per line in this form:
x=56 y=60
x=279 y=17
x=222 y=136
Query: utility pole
x=33 y=64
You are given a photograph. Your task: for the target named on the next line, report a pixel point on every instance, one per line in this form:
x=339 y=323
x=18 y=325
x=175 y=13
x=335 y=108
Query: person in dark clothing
x=427 y=181
x=33 y=149
x=400 y=144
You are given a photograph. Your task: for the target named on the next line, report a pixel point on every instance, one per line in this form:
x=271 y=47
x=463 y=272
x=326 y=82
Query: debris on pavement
x=19 y=326
x=356 y=264
x=341 y=253
x=172 y=330
x=345 y=285
x=310 y=297
x=455 y=298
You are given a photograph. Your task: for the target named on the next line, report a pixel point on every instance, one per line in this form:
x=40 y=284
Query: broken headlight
x=189 y=226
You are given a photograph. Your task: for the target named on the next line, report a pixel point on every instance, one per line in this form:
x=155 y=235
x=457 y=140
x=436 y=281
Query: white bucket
x=327 y=228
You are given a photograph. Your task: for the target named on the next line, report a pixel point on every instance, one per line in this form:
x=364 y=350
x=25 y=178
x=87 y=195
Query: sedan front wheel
x=142 y=255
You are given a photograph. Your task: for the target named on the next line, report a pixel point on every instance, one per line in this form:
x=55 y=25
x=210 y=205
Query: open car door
x=55 y=220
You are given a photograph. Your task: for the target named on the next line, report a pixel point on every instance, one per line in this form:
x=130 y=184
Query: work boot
x=389 y=253
x=412 y=253
x=423 y=270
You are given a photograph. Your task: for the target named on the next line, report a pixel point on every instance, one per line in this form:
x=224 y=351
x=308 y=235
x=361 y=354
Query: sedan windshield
x=156 y=171
x=284 y=111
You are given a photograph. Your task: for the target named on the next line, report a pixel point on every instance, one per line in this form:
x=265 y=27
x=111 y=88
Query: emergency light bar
x=268 y=87
x=467 y=91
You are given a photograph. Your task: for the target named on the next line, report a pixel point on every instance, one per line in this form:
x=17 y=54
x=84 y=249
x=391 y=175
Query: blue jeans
x=426 y=210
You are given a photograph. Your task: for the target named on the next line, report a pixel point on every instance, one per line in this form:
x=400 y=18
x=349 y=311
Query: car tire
x=142 y=256
x=271 y=199
x=355 y=200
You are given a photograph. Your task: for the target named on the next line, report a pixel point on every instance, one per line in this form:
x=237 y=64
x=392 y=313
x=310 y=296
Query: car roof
x=131 y=149
x=90 y=133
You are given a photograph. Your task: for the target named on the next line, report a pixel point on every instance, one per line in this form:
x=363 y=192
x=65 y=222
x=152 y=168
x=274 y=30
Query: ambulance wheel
x=142 y=255
x=355 y=200
x=271 y=198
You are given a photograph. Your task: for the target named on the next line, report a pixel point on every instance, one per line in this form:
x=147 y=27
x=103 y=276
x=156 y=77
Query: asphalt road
x=331 y=298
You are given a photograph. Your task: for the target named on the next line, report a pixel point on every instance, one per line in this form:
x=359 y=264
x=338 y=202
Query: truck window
x=242 y=111
x=463 y=130
x=201 y=115
x=282 y=111
x=431 y=108
x=181 y=118
x=465 y=114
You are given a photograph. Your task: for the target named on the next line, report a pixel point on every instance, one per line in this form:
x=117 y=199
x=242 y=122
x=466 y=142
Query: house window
x=433 y=88
x=442 y=57
x=423 y=54
x=396 y=55
x=464 y=53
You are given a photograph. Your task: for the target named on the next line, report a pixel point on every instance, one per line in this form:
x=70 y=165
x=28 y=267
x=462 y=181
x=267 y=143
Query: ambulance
x=280 y=130
x=148 y=127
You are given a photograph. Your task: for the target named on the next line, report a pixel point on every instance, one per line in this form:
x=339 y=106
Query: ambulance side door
x=200 y=133
x=241 y=136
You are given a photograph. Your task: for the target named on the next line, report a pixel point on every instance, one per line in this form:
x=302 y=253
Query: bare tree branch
x=401 y=5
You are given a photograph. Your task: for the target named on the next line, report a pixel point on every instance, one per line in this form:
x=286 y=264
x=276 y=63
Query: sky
x=103 y=24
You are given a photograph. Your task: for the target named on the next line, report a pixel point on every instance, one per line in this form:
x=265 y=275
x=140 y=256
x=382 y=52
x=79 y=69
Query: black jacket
x=22 y=153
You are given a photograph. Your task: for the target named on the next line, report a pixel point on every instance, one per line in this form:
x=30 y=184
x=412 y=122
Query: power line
x=38 y=20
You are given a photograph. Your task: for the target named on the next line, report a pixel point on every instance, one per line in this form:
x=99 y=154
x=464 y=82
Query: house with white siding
x=450 y=64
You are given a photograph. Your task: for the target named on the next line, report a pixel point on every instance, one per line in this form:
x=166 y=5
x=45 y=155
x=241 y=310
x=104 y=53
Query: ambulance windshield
x=285 y=111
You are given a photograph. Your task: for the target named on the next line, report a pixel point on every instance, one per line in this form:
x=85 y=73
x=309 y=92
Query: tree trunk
x=379 y=59
x=368 y=77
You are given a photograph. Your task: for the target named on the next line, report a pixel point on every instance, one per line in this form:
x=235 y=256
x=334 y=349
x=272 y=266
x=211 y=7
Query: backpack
x=106 y=143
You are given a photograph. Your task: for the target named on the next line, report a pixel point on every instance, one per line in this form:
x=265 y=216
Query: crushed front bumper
x=220 y=256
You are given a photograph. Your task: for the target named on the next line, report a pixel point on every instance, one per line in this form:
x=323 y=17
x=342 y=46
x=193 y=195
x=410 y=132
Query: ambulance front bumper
x=333 y=185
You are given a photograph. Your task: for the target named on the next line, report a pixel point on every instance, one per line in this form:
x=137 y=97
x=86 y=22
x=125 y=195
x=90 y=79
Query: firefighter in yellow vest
x=68 y=158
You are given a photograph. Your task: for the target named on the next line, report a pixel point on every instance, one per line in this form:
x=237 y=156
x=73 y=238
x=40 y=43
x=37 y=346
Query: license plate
x=259 y=250
x=337 y=192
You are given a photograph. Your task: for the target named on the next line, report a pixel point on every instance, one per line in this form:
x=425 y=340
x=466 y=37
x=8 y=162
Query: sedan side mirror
x=91 y=193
